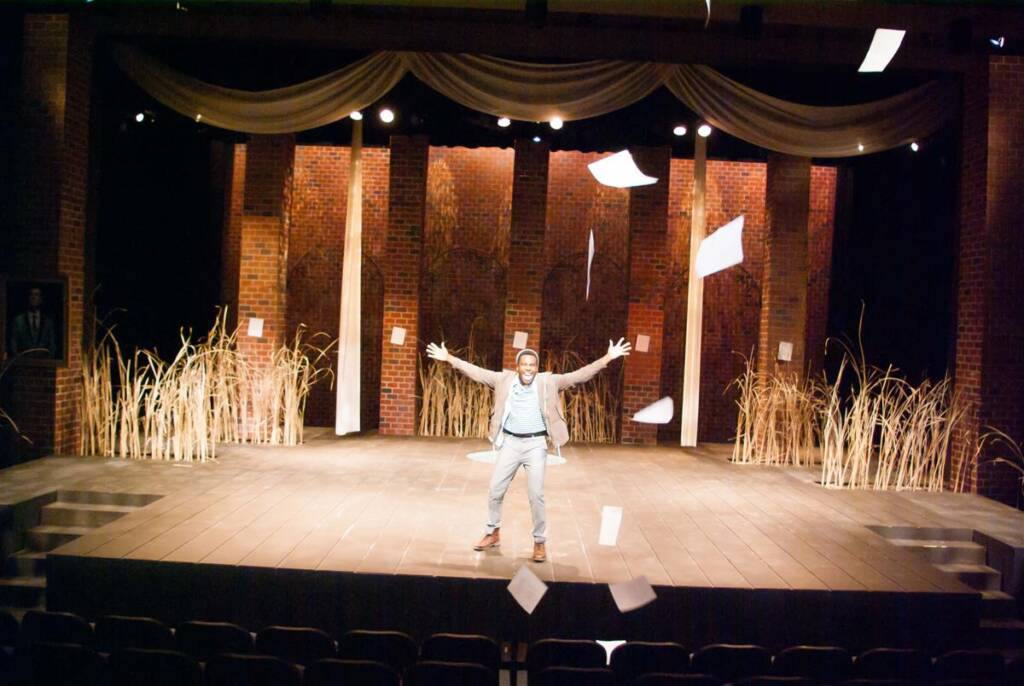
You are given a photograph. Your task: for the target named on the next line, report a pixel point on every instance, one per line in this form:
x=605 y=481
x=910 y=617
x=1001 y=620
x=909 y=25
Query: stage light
x=536 y=139
x=679 y=131
x=619 y=171
x=860 y=147
x=914 y=146
x=504 y=122
x=140 y=117
x=199 y=118
x=998 y=42
x=884 y=46
x=356 y=115
x=386 y=115
x=556 y=123
x=704 y=130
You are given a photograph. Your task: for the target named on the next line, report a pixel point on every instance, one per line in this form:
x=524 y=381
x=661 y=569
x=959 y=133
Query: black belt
x=533 y=435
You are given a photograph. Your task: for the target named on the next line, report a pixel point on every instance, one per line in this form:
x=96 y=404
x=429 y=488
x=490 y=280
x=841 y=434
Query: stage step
x=26 y=563
x=23 y=591
x=923 y=533
x=1002 y=634
x=132 y=500
x=978 y=577
x=998 y=605
x=63 y=513
x=45 y=538
x=944 y=551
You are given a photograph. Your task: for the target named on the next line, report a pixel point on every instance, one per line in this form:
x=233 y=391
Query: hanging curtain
x=306 y=105
x=809 y=131
x=537 y=92
x=349 y=377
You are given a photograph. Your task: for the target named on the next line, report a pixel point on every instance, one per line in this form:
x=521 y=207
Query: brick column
x=989 y=366
x=231 y=239
x=263 y=244
x=402 y=265
x=525 y=283
x=648 y=274
x=47 y=240
x=784 y=284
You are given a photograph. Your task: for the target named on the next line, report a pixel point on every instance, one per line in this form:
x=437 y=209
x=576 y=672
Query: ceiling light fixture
x=556 y=123
x=504 y=122
x=356 y=115
x=914 y=146
x=386 y=115
x=679 y=130
x=704 y=130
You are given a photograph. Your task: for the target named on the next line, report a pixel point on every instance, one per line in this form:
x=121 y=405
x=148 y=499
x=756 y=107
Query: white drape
x=346 y=418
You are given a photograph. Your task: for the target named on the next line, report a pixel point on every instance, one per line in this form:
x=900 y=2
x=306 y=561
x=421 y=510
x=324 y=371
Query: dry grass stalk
x=453 y=404
x=591 y=410
x=207 y=394
x=994 y=440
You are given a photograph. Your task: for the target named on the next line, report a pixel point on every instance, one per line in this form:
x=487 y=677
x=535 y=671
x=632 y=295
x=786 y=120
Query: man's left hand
x=620 y=349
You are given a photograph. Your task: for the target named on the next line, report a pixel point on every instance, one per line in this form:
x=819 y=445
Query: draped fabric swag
x=531 y=92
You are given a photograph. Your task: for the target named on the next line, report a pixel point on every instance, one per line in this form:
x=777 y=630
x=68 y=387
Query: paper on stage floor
x=659 y=412
x=619 y=171
x=590 y=260
x=629 y=595
x=722 y=249
x=611 y=519
x=527 y=589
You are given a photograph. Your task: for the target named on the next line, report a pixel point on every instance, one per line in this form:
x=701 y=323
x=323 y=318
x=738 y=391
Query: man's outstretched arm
x=584 y=374
x=478 y=374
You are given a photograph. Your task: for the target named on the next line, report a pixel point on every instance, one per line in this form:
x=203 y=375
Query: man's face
x=35 y=299
x=527 y=369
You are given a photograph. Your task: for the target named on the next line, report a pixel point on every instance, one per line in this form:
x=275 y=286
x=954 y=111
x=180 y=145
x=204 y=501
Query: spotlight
x=504 y=122
x=914 y=146
x=860 y=147
x=556 y=123
x=357 y=116
x=386 y=115
x=140 y=117
x=536 y=139
x=199 y=118
x=704 y=130
x=997 y=42
x=679 y=131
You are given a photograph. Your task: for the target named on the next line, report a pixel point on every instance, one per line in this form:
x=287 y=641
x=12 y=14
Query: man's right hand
x=438 y=352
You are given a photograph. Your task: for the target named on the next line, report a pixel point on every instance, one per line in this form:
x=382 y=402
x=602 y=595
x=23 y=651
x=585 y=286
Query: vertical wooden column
x=784 y=284
x=47 y=239
x=403 y=252
x=525 y=282
x=690 y=410
x=648 y=271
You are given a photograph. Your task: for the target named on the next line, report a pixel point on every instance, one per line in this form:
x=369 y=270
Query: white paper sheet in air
x=884 y=46
x=519 y=340
x=643 y=343
x=590 y=260
x=611 y=520
x=722 y=249
x=619 y=171
x=397 y=335
x=527 y=589
x=659 y=412
x=785 y=351
x=255 y=327
x=629 y=595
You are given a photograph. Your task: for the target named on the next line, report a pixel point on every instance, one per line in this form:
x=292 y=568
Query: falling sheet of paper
x=722 y=249
x=659 y=412
x=527 y=589
x=491 y=456
x=590 y=260
x=619 y=171
x=643 y=343
x=519 y=340
x=629 y=595
x=255 y=327
x=785 y=351
x=611 y=519
x=708 y=19
x=397 y=335
x=884 y=46
x=609 y=647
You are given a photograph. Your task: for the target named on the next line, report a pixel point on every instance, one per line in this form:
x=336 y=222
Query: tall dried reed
x=453 y=404
x=1007 y=451
x=591 y=409
x=207 y=394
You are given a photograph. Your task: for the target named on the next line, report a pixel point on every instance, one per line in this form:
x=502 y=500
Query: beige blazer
x=550 y=386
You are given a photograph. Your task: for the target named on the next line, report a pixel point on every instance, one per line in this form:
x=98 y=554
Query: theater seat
x=562 y=652
x=299 y=645
x=335 y=672
x=983 y=665
x=635 y=658
x=55 y=627
x=893 y=663
x=731 y=662
x=66 y=664
x=473 y=648
x=438 y=673
x=572 y=676
x=228 y=669
x=776 y=680
x=116 y=632
x=137 y=667
x=393 y=648
x=677 y=680
x=823 y=664
x=203 y=640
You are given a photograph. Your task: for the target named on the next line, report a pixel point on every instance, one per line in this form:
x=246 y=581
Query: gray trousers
x=532 y=455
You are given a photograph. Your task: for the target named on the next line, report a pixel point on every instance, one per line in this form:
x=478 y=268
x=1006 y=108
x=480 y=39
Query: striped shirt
x=524 y=415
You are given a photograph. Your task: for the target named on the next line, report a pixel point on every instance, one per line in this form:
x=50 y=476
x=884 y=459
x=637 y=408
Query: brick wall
x=231 y=238
x=820 y=225
x=402 y=262
x=526 y=270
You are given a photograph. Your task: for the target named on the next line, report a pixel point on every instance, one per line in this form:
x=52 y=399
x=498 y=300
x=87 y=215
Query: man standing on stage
x=527 y=409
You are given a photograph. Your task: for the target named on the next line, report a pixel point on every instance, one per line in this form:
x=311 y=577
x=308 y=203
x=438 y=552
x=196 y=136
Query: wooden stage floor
x=413 y=507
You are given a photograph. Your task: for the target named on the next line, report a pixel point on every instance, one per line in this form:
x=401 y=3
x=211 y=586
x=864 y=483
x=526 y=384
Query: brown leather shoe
x=539 y=553
x=491 y=540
